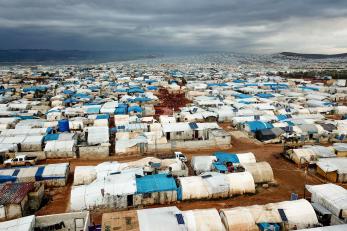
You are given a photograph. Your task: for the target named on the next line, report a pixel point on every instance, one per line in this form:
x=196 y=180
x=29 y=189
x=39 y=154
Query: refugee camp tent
x=60 y=149
x=261 y=171
x=202 y=164
x=334 y=169
x=298 y=213
x=98 y=135
x=202 y=219
x=166 y=218
x=331 y=197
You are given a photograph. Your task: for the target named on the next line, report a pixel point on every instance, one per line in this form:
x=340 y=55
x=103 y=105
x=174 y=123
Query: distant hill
x=314 y=56
x=46 y=56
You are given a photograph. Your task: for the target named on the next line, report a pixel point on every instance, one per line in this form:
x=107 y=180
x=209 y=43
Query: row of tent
x=53 y=175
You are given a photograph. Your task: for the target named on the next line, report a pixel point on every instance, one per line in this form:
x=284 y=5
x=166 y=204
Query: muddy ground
x=289 y=178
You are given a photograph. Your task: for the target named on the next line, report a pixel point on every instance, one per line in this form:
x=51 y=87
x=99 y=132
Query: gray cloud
x=201 y=25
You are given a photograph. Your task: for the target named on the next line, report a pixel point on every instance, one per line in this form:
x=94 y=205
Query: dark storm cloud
x=234 y=25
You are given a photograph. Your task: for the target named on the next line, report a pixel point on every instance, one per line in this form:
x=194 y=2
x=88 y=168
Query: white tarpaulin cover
x=203 y=220
x=212 y=185
x=261 y=171
x=202 y=164
x=98 y=135
x=299 y=213
x=158 y=219
x=330 y=196
x=22 y=224
x=84 y=175
x=108 y=192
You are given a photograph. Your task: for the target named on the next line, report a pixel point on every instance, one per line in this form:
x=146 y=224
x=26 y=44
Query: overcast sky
x=252 y=26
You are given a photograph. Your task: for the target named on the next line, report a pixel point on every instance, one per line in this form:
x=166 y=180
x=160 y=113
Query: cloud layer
x=261 y=26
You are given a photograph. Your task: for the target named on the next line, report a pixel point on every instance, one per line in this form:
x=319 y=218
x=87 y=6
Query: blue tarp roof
x=258 y=125
x=305 y=88
x=50 y=137
x=243 y=96
x=152 y=88
x=239 y=81
x=35 y=88
x=155 y=183
x=68 y=92
x=245 y=102
x=71 y=100
x=265 y=95
x=81 y=95
x=224 y=157
x=140 y=99
x=150 y=81
x=93 y=110
x=217 y=85
x=135 y=109
x=102 y=116
x=220 y=167
x=281 y=117
x=135 y=90
x=120 y=111
x=120 y=90
x=251 y=85
x=6 y=178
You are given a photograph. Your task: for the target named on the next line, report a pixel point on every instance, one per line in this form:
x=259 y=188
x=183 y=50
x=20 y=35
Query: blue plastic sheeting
x=290 y=123
x=220 y=167
x=258 y=125
x=15 y=173
x=243 y=96
x=68 y=92
x=63 y=126
x=82 y=96
x=39 y=172
x=135 y=90
x=49 y=130
x=309 y=88
x=50 y=137
x=176 y=73
x=251 y=85
x=245 y=102
x=120 y=111
x=281 y=117
x=71 y=100
x=277 y=86
x=93 y=110
x=26 y=117
x=152 y=88
x=34 y=89
x=155 y=183
x=94 y=88
x=149 y=81
x=6 y=178
x=179 y=194
x=120 y=90
x=268 y=226
x=102 y=116
x=135 y=109
x=239 y=81
x=265 y=95
x=217 y=85
x=140 y=99
x=193 y=125
x=224 y=157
